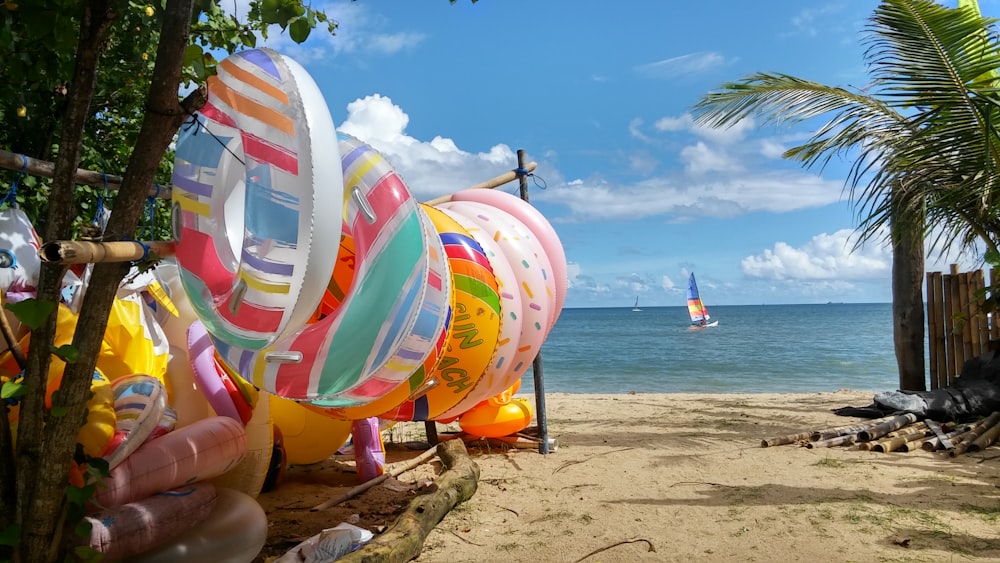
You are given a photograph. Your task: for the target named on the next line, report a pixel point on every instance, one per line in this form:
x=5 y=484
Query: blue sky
x=598 y=95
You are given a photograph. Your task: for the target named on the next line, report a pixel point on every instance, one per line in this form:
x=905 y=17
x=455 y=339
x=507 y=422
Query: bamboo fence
x=958 y=328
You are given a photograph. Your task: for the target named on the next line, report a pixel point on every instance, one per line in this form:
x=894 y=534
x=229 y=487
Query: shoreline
x=685 y=475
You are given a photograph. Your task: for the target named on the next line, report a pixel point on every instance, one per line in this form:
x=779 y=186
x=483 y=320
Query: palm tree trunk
x=908 y=304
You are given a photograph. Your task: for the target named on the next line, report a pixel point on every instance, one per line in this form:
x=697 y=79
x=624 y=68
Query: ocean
x=755 y=349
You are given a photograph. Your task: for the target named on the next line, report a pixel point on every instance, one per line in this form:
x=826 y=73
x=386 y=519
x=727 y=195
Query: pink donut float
x=539 y=226
x=531 y=269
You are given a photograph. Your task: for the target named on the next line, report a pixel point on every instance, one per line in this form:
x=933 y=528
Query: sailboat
x=635 y=308
x=699 y=314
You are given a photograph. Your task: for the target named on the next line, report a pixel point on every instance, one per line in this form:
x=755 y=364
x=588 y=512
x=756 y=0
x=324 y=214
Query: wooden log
x=883 y=428
x=88 y=252
x=977 y=431
x=404 y=540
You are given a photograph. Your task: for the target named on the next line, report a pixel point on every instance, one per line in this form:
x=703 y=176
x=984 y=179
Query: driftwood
x=404 y=540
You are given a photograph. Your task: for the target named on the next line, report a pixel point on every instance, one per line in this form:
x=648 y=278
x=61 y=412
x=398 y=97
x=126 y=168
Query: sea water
x=755 y=349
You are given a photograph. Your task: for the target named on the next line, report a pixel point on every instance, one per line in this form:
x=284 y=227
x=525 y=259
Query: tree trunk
x=405 y=538
x=908 y=304
x=41 y=496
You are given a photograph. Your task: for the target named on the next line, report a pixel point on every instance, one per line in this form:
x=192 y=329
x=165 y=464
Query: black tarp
x=974 y=394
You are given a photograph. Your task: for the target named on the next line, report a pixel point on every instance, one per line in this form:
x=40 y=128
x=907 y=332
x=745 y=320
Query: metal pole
x=536 y=365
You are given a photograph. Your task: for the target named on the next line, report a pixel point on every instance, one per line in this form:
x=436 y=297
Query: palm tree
x=921 y=134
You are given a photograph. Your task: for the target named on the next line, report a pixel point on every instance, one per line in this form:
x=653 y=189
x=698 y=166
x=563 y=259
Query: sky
x=599 y=94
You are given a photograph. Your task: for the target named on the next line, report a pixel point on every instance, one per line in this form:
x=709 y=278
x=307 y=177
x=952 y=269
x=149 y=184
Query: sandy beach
x=669 y=477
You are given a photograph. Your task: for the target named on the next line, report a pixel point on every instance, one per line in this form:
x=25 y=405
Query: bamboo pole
x=952 y=307
x=972 y=435
x=994 y=326
x=490 y=184
x=896 y=440
x=786 y=439
x=935 y=334
x=846 y=429
x=842 y=440
x=934 y=443
x=883 y=428
x=85 y=252
x=35 y=167
x=980 y=335
x=965 y=301
x=985 y=440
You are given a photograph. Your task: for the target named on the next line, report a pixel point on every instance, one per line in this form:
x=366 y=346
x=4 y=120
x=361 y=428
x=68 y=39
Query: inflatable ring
x=393 y=314
x=476 y=331
x=251 y=178
x=488 y=421
x=511 y=323
x=531 y=267
x=140 y=402
x=539 y=227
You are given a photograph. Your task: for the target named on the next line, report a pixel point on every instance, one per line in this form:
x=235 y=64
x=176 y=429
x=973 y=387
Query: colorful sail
x=697 y=310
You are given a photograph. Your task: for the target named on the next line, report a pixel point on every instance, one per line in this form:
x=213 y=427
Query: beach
x=673 y=477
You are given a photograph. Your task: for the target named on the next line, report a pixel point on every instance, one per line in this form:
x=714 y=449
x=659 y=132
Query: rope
x=11 y=197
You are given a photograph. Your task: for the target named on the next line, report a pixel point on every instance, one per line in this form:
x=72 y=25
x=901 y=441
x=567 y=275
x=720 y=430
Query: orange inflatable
x=489 y=420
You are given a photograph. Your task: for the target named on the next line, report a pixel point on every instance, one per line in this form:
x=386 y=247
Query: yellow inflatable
x=309 y=437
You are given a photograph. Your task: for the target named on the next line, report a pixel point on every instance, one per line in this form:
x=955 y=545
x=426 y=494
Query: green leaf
x=299 y=30
x=10 y=535
x=80 y=495
x=31 y=312
x=67 y=352
x=59 y=412
x=12 y=390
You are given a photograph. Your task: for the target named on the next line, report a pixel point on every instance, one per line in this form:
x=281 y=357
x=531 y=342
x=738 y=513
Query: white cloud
x=699 y=159
x=824 y=257
x=682 y=199
x=429 y=168
x=673 y=67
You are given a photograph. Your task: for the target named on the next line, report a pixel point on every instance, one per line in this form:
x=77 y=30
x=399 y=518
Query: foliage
x=37 y=44
x=44 y=44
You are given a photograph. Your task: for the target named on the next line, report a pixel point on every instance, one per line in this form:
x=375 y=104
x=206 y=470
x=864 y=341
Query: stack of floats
x=901 y=433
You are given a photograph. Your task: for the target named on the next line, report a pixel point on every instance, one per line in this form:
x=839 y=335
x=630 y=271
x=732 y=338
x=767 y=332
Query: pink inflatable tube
x=205 y=449
x=201 y=353
x=234 y=532
x=138 y=526
x=539 y=226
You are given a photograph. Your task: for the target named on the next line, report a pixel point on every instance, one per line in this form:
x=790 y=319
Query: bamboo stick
x=786 y=439
x=372 y=482
x=935 y=331
x=488 y=184
x=894 y=443
x=883 y=428
x=935 y=443
x=985 y=440
x=86 y=252
x=842 y=440
x=975 y=433
x=35 y=167
x=846 y=429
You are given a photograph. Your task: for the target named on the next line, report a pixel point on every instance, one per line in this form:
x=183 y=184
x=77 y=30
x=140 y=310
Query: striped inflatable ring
x=393 y=313
x=475 y=332
x=251 y=178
